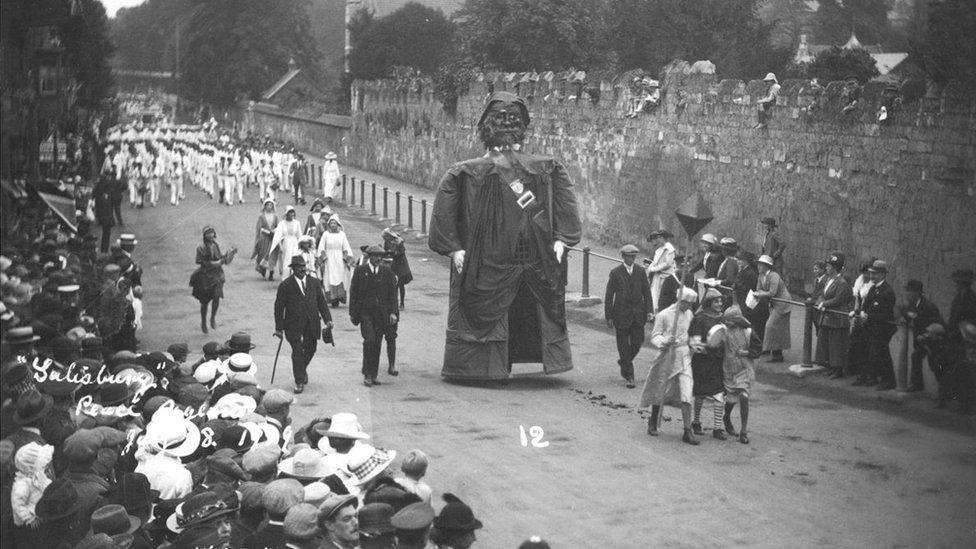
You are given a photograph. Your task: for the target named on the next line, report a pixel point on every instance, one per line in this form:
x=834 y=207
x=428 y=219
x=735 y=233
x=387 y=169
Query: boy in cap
x=919 y=313
x=627 y=306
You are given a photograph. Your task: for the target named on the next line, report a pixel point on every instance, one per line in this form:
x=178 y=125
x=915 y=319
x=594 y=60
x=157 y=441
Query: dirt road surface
x=817 y=472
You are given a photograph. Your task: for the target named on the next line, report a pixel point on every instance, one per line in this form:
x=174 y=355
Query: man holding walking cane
x=299 y=304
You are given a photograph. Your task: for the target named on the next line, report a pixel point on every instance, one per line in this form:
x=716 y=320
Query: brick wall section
x=905 y=192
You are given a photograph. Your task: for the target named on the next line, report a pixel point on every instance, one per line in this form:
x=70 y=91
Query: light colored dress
x=777 y=335
x=334 y=249
x=661 y=267
x=285 y=243
x=669 y=380
x=330 y=178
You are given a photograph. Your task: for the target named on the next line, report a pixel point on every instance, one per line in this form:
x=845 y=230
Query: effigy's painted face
x=504 y=126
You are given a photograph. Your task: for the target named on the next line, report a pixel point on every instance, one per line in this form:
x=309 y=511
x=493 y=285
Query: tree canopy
x=88 y=47
x=945 y=47
x=413 y=36
x=838 y=63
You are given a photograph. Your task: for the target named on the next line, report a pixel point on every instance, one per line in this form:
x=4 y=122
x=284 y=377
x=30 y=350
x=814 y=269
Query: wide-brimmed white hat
x=169 y=431
x=765 y=259
x=365 y=462
x=238 y=363
x=346 y=425
x=330 y=156
x=232 y=406
x=261 y=431
x=307 y=463
x=206 y=372
x=770 y=77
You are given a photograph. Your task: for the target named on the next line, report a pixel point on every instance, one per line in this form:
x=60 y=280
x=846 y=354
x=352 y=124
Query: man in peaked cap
x=509 y=274
x=299 y=304
x=919 y=313
x=412 y=525
x=627 y=306
x=878 y=313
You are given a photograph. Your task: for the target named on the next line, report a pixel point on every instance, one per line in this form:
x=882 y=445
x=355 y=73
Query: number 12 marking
x=536 y=433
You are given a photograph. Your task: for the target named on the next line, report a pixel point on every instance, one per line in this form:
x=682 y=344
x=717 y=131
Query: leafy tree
x=867 y=19
x=87 y=49
x=837 y=63
x=515 y=35
x=651 y=34
x=946 y=45
x=240 y=47
x=785 y=18
x=145 y=34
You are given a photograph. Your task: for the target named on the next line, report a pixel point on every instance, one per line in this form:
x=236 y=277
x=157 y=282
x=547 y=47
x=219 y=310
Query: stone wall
x=317 y=135
x=903 y=191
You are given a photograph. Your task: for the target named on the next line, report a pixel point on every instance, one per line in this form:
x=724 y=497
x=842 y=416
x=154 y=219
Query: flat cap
x=415 y=516
x=277 y=400
x=629 y=249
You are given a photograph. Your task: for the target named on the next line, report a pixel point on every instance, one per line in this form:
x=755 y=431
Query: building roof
x=887 y=62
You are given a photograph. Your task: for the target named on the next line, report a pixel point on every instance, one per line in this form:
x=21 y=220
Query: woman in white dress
x=285 y=241
x=330 y=176
x=336 y=254
x=663 y=264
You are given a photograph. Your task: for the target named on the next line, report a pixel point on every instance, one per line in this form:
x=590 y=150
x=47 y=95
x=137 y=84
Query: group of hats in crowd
x=197 y=455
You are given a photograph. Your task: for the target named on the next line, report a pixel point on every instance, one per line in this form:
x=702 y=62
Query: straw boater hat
x=307 y=464
x=21 y=335
x=878 y=266
x=232 y=406
x=238 y=363
x=126 y=240
x=330 y=156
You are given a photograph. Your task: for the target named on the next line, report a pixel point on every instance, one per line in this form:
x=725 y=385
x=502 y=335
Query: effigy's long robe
x=507 y=305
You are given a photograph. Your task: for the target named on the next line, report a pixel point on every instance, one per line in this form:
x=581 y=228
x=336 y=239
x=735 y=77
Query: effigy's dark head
x=503 y=121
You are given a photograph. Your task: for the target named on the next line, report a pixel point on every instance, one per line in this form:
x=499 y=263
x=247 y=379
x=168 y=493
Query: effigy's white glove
x=458 y=259
x=559 y=247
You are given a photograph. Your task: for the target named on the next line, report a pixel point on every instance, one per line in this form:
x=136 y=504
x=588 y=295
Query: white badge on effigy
x=525 y=200
x=517 y=186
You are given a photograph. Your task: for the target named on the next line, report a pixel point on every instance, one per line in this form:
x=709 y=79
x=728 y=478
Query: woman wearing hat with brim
x=315 y=224
x=284 y=242
x=777 y=334
x=331 y=178
x=267 y=222
x=208 y=280
x=336 y=255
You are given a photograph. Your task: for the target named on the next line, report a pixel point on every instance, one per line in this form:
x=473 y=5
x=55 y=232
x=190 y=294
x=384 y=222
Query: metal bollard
x=398 y=207
x=586 y=273
x=808 y=334
x=423 y=216
x=386 y=213
x=307 y=176
x=372 y=199
x=362 y=194
x=310 y=172
x=352 y=190
x=410 y=212
x=322 y=179
x=343 y=187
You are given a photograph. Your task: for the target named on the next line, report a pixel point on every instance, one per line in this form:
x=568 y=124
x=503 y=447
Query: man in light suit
x=373 y=306
x=626 y=308
x=833 y=339
x=298 y=306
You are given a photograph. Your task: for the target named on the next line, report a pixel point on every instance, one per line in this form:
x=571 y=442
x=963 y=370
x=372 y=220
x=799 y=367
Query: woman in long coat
x=394 y=246
x=336 y=254
x=267 y=222
x=284 y=244
x=208 y=280
x=706 y=363
x=771 y=285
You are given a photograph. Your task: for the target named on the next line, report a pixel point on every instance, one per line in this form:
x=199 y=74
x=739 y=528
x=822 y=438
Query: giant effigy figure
x=505 y=220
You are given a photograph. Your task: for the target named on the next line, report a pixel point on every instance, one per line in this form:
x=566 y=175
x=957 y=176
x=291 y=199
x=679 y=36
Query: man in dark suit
x=833 y=340
x=300 y=302
x=373 y=307
x=919 y=312
x=104 y=215
x=626 y=308
x=879 y=316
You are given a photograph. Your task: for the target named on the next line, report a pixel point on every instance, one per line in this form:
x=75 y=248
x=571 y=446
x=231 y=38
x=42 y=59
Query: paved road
x=818 y=472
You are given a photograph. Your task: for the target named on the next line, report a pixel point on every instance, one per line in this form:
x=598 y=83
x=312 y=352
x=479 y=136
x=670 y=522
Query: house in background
x=887 y=62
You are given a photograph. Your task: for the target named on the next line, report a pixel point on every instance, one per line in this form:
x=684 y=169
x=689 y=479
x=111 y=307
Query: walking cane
x=275 y=366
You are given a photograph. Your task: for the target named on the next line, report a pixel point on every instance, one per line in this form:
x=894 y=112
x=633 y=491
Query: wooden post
x=362 y=194
x=386 y=213
x=586 y=273
x=423 y=216
x=343 y=187
x=410 y=212
x=398 y=207
x=352 y=190
x=372 y=199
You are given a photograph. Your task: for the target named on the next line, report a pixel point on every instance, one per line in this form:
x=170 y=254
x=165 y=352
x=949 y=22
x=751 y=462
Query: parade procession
x=705 y=288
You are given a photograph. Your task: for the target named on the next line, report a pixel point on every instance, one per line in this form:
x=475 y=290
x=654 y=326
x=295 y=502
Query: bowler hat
x=59 y=500
x=913 y=286
x=32 y=406
x=768 y=221
x=240 y=342
x=132 y=491
x=297 y=261
x=374 y=519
